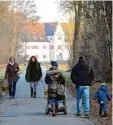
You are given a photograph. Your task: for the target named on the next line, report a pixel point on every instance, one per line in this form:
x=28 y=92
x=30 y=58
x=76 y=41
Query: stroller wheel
x=65 y=110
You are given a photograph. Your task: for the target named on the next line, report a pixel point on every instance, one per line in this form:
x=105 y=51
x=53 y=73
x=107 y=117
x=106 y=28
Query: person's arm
x=95 y=95
x=46 y=79
x=6 y=73
x=91 y=75
x=62 y=79
x=108 y=96
x=26 y=75
x=18 y=69
x=73 y=75
x=40 y=70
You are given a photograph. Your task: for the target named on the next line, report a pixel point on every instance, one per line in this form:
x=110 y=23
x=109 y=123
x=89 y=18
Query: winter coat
x=54 y=78
x=82 y=74
x=102 y=94
x=37 y=73
x=12 y=72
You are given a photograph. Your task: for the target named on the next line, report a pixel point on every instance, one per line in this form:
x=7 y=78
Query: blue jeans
x=103 y=107
x=12 y=88
x=82 y=93
x=53 y=101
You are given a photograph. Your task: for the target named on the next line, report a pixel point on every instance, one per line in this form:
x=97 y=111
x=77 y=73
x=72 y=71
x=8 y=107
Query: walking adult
x=54 y=78
x=11 y=75
x=33 y=75
x=82 y=76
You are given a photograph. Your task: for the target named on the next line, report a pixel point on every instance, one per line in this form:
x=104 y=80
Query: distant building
x=46 y=41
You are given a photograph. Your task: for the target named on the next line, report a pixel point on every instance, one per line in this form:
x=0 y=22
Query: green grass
x=1 y=76
x=67 y=77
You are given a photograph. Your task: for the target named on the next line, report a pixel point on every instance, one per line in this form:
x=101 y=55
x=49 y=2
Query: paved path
x=29 y=111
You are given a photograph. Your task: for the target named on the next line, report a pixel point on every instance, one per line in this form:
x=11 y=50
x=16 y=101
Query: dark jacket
x=102 y=95
x=35 y=75
x=53 y=78
x=12 y=72
x=82 y=74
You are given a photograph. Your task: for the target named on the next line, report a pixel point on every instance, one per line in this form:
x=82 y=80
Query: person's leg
x=105 y=110
x=10 y=89
x=100 y=109
x=53 y=106
x=14 y=89
x=31 y=88
x=35 y=86
x=86 y=90
x=78 y=98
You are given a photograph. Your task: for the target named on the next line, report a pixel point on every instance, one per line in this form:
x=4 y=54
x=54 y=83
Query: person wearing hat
x=103 y=96
x=52 y=79
x=82 y=76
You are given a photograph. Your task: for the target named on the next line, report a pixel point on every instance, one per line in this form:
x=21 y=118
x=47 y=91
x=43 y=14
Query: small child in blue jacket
x=103 y=96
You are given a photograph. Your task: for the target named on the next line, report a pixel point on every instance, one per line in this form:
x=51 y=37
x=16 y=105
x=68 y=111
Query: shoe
x=10 y=97
x=53 y=114
x=31 y=92
x=86 y=115
x=13 y=97
x=105 y=115
x=78 y=114
x=34 y=94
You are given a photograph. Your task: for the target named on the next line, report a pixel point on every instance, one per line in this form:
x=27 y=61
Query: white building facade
x=54 y=48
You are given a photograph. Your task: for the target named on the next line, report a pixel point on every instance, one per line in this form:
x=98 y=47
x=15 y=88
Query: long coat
x=38 y=75
x=53 y=78
x=12 y=72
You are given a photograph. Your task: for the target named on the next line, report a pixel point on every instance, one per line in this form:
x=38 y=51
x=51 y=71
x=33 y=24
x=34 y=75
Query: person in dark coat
x=82 y=76
x=54 y=63
x=103 y=96
x=33 y=75
x=11 y=75
x=52 y=79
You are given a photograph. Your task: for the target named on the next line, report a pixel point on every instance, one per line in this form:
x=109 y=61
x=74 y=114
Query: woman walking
x=33 y=74
x=11 y=75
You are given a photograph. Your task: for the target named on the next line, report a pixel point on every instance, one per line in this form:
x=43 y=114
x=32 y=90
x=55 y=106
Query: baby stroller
x=61 y=98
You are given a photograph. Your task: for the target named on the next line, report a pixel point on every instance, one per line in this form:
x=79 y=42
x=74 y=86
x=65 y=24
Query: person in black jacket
x=33 y=75
x=52 y=79
x=82 y=76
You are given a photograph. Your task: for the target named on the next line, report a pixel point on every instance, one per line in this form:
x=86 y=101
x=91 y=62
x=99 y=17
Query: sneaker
x=34 y=94
x=105 y=115
x=78 y=114
x=13 y=97
x=10 y=97
x=86 y=115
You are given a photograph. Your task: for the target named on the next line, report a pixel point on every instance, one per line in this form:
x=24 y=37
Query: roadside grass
x=62 y=67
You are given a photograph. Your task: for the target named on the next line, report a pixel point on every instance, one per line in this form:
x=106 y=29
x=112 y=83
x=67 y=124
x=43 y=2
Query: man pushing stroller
x=54 y=79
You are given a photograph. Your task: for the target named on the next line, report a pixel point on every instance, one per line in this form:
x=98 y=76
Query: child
x=103 y=96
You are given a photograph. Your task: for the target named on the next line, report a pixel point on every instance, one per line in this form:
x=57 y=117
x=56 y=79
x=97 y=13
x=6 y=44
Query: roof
x=34 y=32
x=50 y=28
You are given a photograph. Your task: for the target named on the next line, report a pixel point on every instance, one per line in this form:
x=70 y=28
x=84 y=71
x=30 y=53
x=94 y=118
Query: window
x=33 y=47
x=27 y=47
x=37 y=47
x=44 y=56
x=52 y=47
x=44 y=47
x=59 y=38
x=59 y=47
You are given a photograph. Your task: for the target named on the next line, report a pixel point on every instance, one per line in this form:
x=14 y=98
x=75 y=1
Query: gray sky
x=48 y=11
